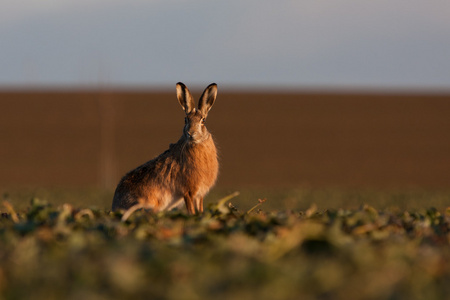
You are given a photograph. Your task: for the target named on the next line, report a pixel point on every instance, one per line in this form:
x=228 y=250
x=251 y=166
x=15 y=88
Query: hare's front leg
x=189 y=200
x=199 y=204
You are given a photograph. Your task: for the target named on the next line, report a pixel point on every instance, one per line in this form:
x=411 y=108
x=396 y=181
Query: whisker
x=183 y=154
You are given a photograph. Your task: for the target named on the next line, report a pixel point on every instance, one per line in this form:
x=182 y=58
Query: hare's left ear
x=207 y=99
x=185 y=98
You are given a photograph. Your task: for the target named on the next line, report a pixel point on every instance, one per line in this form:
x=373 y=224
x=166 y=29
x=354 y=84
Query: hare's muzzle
x=191 y=132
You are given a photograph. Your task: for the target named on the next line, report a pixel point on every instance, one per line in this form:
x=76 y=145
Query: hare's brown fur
x=186 y=171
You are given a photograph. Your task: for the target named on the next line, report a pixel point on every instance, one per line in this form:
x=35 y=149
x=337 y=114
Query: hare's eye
x=203 y=121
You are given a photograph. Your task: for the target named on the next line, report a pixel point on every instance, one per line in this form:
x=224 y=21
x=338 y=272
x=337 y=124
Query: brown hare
x=186 y=171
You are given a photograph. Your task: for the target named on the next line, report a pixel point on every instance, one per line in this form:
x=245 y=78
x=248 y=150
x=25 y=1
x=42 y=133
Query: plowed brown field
x=90 y=138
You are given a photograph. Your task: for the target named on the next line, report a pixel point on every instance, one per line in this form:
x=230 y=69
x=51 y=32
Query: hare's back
x=130 y=187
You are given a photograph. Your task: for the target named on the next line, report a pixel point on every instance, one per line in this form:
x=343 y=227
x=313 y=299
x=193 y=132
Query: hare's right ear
x=207 y=99
x=185 y=98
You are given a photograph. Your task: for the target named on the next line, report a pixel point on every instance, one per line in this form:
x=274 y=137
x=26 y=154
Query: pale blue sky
x=309 y=43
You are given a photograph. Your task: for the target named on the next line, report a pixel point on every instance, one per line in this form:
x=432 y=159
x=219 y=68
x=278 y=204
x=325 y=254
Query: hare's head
x=194 y=129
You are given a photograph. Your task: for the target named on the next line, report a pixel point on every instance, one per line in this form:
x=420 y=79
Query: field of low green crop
x=302 y=244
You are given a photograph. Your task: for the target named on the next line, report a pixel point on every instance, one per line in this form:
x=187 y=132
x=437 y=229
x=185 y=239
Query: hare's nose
x=189 y=135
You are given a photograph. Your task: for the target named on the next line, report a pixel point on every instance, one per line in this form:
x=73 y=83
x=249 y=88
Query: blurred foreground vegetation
x=300 y=198
x=240 y=248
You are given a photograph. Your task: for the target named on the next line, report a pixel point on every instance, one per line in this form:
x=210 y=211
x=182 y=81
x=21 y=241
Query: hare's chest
x=200 y=173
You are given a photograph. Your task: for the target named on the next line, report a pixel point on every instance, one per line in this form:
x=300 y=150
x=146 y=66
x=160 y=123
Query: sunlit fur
x=183 y=173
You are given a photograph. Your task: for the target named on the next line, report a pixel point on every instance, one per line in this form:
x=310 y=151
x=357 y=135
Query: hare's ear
x=185 y=98
x=207 y=99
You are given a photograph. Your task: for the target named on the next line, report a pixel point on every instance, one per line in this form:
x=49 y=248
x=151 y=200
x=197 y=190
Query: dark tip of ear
x=180 y=83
